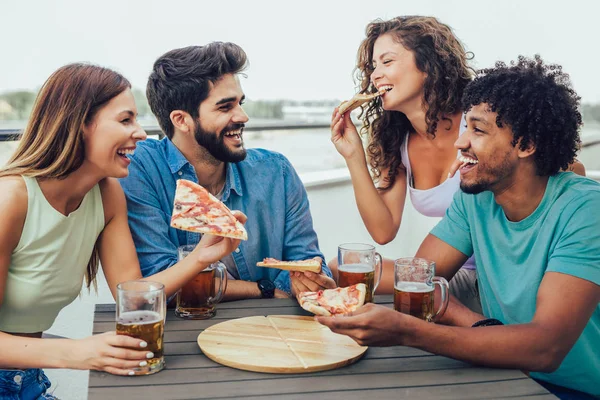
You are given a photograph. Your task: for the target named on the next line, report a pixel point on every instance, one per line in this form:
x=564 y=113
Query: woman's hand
x=109 y=352
x=345 y=137
x=212 y=248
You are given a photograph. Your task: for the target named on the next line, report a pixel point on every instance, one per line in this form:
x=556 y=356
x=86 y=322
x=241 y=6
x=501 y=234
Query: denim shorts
x=26 y=384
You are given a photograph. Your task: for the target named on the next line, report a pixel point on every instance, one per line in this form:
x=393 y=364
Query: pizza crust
x=315 y=309
x=237 y=234
x=312 y=265
x=358 y=100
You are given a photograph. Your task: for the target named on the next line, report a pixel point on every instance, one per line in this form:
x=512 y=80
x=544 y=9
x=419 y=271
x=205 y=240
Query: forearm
x=526 y=347
x=23 y=352
x=177 y=275
x=457 y=314
x=375 y=214
x=240 y=290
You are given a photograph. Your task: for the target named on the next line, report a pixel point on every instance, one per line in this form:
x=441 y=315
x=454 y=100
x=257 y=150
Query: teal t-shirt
x=561 y=235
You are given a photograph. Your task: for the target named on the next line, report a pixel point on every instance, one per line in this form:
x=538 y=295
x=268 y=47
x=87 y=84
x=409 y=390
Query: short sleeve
x=454 y=228
x=577 y=251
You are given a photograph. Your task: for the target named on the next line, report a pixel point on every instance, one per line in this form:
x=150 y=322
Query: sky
x=300 y=50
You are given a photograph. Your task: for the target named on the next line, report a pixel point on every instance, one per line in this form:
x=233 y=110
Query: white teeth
x=468 y=160
x=234 y=133
x=387 y=88
x=124 y=152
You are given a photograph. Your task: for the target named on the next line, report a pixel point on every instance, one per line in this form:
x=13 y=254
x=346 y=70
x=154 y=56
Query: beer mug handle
x=379 y=268
x=438 y=280
x=221 y=276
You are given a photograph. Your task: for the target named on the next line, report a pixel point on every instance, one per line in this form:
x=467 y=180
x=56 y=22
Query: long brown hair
x=441 y=56
x=51 y=146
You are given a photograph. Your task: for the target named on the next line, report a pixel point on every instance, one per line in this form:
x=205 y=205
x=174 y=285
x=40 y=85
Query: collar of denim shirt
x=177 y=162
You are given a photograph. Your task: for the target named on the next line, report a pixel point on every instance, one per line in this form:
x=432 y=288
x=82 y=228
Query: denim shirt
x=264 y=186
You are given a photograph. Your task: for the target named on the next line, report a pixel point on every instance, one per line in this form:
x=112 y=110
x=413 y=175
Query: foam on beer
x=414 y=287
x=357 y=268
x=139 y=317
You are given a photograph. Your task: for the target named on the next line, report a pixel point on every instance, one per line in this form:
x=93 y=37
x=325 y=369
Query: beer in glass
x=141 y=309
x=197 y=299
x=414 y=282
x=356 y=264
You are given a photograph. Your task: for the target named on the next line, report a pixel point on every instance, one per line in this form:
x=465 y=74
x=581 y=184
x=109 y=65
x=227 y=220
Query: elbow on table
x=549 y=360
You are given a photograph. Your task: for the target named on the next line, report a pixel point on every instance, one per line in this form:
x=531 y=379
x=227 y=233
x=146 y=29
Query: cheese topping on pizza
x=334 y=301
x=196 y=210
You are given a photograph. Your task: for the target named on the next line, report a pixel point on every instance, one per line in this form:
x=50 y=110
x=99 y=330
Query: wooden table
x=383 y=373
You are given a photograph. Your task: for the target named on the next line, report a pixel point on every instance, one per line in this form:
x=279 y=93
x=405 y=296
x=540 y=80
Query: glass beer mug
x=357 y=263
x=414 y=281
x=141 y=310
x=197 y=299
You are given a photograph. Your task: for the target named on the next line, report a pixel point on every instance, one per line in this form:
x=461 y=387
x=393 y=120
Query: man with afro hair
x=535 y=233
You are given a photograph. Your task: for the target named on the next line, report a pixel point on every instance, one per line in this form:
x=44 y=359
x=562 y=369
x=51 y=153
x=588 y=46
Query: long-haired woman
x=61 y=212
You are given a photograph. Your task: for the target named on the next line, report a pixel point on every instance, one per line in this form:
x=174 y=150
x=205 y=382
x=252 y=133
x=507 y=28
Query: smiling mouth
x=237 y=134
x=468 y=163
x=125 y=152
x=385 y=88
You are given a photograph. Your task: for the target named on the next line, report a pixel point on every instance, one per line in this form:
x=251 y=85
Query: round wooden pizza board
x=281 y=344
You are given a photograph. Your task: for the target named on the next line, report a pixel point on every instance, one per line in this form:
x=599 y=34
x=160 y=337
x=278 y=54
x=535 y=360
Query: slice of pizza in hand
x=360 y=99
x=312 y=264
x=196 y=210
x=336 y=301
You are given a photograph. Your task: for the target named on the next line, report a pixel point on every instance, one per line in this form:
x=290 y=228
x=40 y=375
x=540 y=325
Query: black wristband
x=487 y=322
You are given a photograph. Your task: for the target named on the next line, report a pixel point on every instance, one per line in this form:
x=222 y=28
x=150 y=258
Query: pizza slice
x=359 y=99
x=330 y=302
x=196 y=210
x=312 y=264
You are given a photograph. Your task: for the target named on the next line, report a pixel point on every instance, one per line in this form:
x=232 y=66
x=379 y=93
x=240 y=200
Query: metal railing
x=13 y=134
x=7 y=135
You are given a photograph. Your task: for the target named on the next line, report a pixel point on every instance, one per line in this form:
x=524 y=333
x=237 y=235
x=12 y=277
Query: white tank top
x=435 y=201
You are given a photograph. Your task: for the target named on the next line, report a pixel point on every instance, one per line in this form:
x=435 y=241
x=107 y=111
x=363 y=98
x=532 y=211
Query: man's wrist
x=267 y=288
x=457 y=314
x=411 y=333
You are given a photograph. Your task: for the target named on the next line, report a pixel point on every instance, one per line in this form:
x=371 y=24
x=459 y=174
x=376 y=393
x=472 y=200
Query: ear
x=529 y=149
x=182 y=121
x=86 y=130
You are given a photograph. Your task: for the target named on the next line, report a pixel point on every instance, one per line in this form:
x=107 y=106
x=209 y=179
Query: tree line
x=17 y=105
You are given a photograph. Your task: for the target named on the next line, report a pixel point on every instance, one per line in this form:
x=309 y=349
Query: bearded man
x=196 y=96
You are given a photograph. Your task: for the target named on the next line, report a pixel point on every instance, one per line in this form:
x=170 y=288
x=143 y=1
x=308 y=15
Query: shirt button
x=18 y=379
x=237 y=250
x=180 y=173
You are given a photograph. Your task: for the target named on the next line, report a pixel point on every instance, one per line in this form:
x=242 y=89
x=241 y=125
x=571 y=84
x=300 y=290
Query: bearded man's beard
x=215 y=143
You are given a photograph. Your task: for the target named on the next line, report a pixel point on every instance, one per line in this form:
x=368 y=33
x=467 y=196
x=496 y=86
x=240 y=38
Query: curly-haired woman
x=411 y=131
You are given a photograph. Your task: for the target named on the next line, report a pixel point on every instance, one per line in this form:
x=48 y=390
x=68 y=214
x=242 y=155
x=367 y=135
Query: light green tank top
x=48 y=265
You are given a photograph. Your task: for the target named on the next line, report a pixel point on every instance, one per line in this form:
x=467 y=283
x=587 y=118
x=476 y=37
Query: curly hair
x=441 y=56
x=538 y=103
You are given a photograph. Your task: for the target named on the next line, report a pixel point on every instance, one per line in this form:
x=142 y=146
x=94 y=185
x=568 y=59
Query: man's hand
x=213 y=248
x=372 y=325
x=310 y=282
